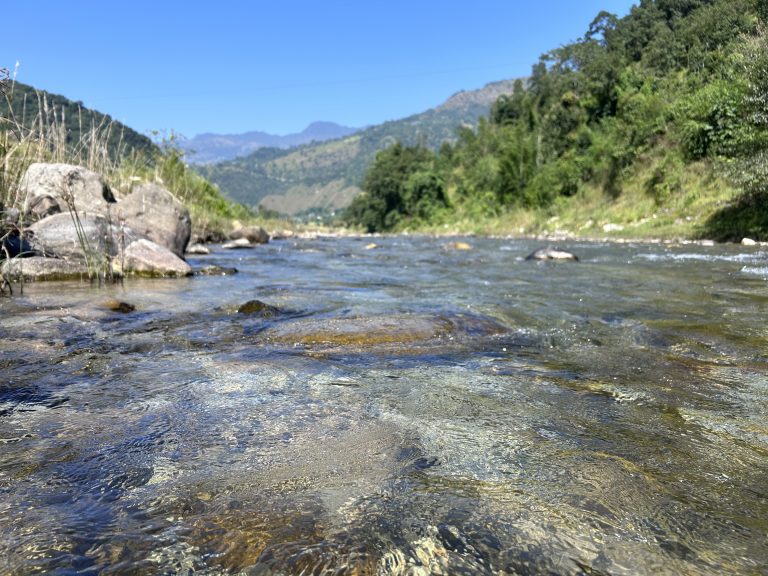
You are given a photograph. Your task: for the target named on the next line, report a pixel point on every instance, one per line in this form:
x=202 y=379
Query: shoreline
x=562 y=238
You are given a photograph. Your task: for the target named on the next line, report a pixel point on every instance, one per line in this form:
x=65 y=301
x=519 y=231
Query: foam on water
x=761 y=271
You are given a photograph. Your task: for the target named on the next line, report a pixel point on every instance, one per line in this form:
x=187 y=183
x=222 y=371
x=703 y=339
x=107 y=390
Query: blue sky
x=231 y=66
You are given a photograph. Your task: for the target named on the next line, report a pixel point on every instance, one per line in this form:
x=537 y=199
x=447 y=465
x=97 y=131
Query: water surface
x=408 y=409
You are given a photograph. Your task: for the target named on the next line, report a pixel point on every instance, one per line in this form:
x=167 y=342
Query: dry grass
x=44 y=138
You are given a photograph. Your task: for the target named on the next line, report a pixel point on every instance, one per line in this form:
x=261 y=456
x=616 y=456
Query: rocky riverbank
x=73 y=225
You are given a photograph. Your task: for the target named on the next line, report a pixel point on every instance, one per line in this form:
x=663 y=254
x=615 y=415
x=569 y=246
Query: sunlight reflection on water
x=408 y=410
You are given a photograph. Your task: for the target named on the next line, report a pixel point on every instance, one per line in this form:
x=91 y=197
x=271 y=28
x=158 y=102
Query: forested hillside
x=44 y=111
x=657 y=120
x=325 y=176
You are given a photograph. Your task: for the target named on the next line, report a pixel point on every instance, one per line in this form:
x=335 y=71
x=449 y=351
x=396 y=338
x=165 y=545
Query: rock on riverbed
x=394 y=333
x=551 y=254
x=145 y=258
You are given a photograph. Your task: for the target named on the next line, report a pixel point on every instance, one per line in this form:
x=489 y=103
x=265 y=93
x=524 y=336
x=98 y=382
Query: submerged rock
x=119 y=306
x=257 y=307
x=458 y=246
x=389 y=331
x=551 y=254
x=239 y=243
x=145 y=258
x=215 y=271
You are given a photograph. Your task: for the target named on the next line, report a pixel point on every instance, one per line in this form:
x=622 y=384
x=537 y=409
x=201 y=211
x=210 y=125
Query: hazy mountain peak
x=209 y=147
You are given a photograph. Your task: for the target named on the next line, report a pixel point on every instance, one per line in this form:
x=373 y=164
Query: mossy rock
x=119 y=306
x=388 y=331
x=258 y=308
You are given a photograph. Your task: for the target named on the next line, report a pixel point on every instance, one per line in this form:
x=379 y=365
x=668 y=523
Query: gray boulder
x=57 y=235
x=52 y=188
x=198 y=249
x=39 y=268
x=214 y=270
x=254 y=234
x=237 y=244
x=151 y=211
x=551 y=254
x=282 y=234
x=146 y=258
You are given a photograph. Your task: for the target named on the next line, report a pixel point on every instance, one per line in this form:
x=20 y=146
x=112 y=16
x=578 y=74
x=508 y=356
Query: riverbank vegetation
x=653 y=124
x=36 y=126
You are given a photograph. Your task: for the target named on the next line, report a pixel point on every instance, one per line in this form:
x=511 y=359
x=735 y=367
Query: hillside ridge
x=27 y=103
x=211 y=147
x=321 y=178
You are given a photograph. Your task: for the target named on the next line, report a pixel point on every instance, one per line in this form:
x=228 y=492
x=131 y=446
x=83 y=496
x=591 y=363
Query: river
x=407 y=408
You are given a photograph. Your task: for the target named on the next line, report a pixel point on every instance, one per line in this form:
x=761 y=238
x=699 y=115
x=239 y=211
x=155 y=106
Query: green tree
x=751 y=167
x=398 y=185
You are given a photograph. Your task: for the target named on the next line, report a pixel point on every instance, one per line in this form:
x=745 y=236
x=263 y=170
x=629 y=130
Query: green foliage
x=517 y=166
x=511 y=108
x=682 y=80
x=401 y=185
x=747 y=161
x=423 y=195
x=710 y=120
x=665 y=180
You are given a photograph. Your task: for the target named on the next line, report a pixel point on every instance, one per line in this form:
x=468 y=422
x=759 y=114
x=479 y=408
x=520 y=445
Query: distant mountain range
x=325 y=176
x=209 y=148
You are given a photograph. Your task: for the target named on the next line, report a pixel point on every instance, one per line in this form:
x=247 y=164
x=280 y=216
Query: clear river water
x=406 y=409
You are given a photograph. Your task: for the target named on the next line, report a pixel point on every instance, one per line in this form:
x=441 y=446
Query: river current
x=407 y=408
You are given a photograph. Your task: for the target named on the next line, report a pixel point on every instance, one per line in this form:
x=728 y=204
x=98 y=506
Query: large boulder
x=151 y=211
x=58 y=235
x=146 y=258
x=254 y=234
x=53 y=188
